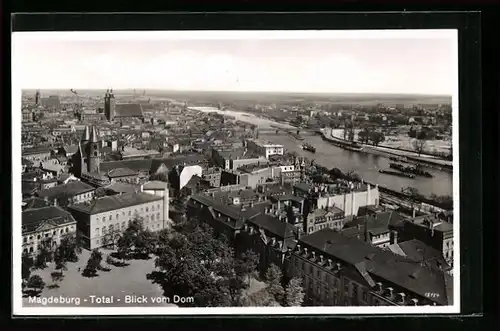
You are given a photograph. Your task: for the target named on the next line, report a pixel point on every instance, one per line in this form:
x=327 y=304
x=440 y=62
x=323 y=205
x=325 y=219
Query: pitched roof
x=129 y=110
x=151 y=165
x=155 y=185
x=120 y=187
x=121 y=172
x=419 y=251
x=34 y=203
x=71 y=189
x=280 y=229
x=114 y=202
x=33 y=218
x=400 y=271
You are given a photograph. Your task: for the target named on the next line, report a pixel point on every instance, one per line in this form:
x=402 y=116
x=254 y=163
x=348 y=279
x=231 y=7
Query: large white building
x=264 y=148
x=101 y=221
x=46 y=225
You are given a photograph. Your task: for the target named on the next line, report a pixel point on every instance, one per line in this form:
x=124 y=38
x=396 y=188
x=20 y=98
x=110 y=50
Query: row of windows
x=113 y=227
x=110 y=217
x=47 y=234
x=153 y=227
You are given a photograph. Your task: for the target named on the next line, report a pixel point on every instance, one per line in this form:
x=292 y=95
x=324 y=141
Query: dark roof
x=303 y=187
x=151 y=165
x=236 y=214
x=419 y=251
x=36 y=150
x=34 y=218
x=114 y=202
x=129 y=110
x=121 y=172
x=280 y=229
x=378 y=222
x=286 y=197
x=34 y=203
x=398 y=270
x=120 y=187
x=71 y=189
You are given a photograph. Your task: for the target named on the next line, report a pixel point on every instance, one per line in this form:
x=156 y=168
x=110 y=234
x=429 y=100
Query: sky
x=423 y=63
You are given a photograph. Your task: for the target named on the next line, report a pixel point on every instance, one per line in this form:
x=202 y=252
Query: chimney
x=368 y=195
x=402 y=298
x=380 y=287
x=305 y=251
x=413 y=212
x=313 y=255
x=330 y=263
x=321 y=259
x=298 y=248
x=338 y=266
x=390 y=292
x=55 y=202
x=394 y=237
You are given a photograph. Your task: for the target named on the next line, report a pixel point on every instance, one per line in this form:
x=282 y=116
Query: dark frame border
x=468 y=25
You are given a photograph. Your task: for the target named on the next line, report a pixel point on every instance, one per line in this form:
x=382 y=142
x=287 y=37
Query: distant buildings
x=265 y=149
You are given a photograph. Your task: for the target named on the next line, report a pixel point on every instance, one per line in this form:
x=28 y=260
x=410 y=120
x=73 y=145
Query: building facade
x=101 y=221
x=45 y=226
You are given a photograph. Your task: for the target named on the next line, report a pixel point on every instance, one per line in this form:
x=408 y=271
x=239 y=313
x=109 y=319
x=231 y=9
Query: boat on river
x=397 y=173
x=416 y=170
x=308 y=147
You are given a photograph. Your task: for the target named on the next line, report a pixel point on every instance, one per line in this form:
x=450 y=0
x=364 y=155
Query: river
x=366 y=165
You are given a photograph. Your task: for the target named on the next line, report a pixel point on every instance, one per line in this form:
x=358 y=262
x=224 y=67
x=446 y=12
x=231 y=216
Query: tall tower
x=37 y=97
x=93 y=150
x=109 y=105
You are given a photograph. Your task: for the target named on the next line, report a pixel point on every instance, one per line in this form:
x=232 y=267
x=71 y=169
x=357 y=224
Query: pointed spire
x=86 y=134
x=94 y=136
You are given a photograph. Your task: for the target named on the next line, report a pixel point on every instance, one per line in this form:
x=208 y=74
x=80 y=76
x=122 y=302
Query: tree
x=419 y=146
x=131 y=237
x=294 y=293
x=376 y=138
x=70 y=248
x=44 y=254
x=35 y=282
x=93 y=263
x=274 y=277
x=60 y=259
x=27 y=263
x=261 y=298
x=364 y=136
x=195 y=262
x=246 y=264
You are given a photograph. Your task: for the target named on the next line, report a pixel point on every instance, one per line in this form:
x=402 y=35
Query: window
x=47 y=235
x=25 y=239
x=25 y=251
x=129 y=212
x=97 y=220
x=158 y=216
x=97 y=231
x=117 y=216
x=110 y=217
x=60 y=231
x=147 y=209
x=152 y=208
x=123 y=225
x=31 y=249
x=158 y=206
x=66 y=230
x=97 y=242
x=54 y=233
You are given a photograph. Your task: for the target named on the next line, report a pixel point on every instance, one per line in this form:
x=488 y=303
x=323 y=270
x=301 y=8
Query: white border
x=19 y=310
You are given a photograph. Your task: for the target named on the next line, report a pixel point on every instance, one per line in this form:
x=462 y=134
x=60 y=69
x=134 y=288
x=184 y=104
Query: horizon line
x=236 y=91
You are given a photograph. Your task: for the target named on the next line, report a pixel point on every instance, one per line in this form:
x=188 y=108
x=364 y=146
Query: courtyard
x=117 y=283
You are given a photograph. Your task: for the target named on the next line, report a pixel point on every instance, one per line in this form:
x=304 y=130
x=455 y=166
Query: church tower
x=109 y=105
x=93 y=150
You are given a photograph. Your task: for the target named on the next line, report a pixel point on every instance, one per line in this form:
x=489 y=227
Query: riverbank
x=412 y=157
